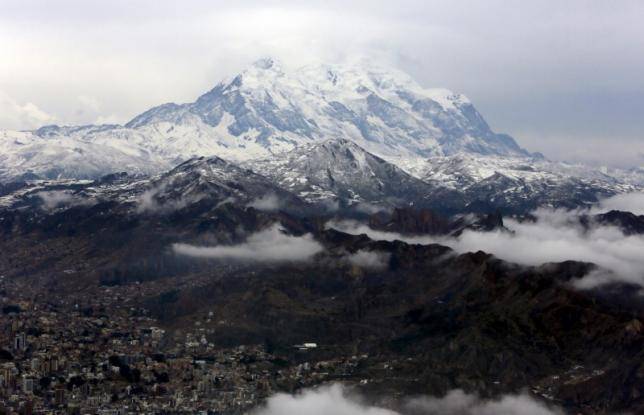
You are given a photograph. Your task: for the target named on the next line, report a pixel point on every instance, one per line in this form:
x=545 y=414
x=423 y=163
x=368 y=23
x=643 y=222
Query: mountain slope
x=517 y=184
x=208 y=182
x=340 y=170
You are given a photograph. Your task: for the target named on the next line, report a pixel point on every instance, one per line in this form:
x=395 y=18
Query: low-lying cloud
x=370 y=208
x=354 y=227
x=53 y=199
x=336 y=400
x=267 y=203
x=557 y=236
x=269 y=245
x=554 y=236
x=369 y=259
x=150 y=202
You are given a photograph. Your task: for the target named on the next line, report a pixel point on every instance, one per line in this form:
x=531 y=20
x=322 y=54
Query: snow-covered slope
x=210 y=181
x=340 y=170
x=266 y=109
x=262 y=111
x=213 y=180
x=517 y=183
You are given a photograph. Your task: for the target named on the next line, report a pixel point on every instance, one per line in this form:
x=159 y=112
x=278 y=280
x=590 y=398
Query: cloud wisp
x=269 y=245
x=53 y=199
x=267 y=203
x=150 y=201
x=335 y=399
x=354 y=227
x=368 y=259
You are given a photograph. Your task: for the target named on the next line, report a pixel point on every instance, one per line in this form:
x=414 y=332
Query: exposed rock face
x=628 y=222
x=340 y=170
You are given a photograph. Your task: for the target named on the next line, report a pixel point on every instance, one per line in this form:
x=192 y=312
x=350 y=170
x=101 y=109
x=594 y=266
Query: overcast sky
x=563 y=77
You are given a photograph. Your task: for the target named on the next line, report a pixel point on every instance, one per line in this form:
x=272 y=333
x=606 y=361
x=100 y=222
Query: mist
x=149 y=201
x=53 y=199
x=269 y=245
x=369 y=259
x=267 y=203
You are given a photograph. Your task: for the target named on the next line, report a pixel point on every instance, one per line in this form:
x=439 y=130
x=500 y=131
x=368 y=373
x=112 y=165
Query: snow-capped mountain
x=265 y=110
x=343 y=133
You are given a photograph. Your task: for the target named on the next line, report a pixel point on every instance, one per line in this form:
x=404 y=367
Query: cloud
x=330 y=206
x=628 y=202
x=370 y=208
x=268 y=203
x=554 y=236
x=322 y=401
x=21 y=116
x=53 y=199
x=336 y=400
x=458 y=402
x=149 y=201
x=269 y=245
x=369 y=259
x=357 y=228
x=557 y=236
x=226 y=201
x=90 y=110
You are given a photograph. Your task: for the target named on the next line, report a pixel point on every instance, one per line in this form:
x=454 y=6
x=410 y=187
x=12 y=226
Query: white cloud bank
x=336 y=400
x=269 y=245
x=555 y=236
x=458 y=402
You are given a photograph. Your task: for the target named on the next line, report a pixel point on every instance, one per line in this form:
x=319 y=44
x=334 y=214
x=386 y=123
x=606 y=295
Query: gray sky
x=563 y=77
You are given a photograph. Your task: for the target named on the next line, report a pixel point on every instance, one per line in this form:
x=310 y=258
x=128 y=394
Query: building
x=20 y=342
x=27 y=385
